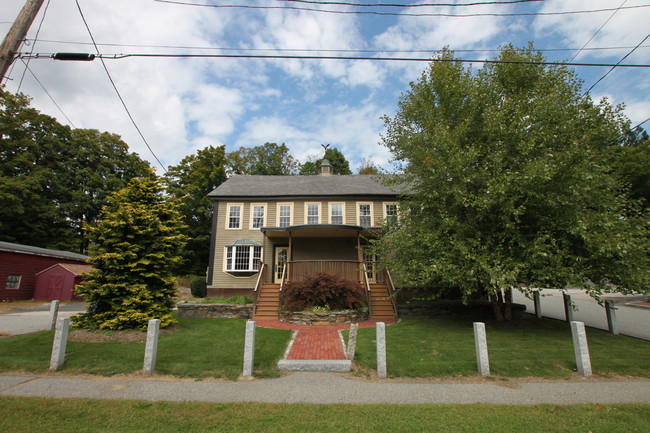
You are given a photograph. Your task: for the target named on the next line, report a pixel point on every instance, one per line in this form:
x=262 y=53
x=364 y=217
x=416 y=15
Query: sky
x=181 y=105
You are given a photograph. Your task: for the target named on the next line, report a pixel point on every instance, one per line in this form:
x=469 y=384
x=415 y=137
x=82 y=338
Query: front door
x=370 y=261
x=281 y=254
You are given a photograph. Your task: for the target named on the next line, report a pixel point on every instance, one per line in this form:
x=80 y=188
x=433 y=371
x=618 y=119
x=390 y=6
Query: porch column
x=289 y=258
x=360 y=257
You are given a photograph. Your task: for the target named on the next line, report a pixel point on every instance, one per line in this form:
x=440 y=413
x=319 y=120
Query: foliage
x=267 y=159
x=323 y=290
x=136 y=245
x=233 y=300
x=368 y=167
x=509 y=184
x=337 y=160
x=54 y=179
x=190 y=182
x=630 y=162
x=199 y=287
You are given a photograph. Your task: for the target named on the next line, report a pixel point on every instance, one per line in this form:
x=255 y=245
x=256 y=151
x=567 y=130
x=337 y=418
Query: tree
x=267 y=159
x=368 y=167
x=337 y=160
x=630 y=162
x=190 y=182
x=509 y=186
x=136 y=244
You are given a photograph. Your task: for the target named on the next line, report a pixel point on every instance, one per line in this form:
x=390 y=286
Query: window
x=234 y=216
x=258 y=212
x=337 y=210
x=365 y=214
x=312 y=212
x=390 y=213
x=284 y=215
x=243 y=258
x=13 y=281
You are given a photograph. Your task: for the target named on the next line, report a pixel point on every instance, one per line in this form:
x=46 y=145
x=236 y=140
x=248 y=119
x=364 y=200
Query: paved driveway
x=32 y=319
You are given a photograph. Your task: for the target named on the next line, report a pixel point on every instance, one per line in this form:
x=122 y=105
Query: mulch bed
x=84 y=336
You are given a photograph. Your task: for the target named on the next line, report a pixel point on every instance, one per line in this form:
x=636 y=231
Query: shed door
x=55 y=285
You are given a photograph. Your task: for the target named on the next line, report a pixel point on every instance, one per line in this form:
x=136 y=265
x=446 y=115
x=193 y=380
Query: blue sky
x=182 y=105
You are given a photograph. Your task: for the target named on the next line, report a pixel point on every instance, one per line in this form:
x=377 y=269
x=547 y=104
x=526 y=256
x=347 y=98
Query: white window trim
x=241 y=216
x=290 y=213
x=342 y=203
x=320 y=211
x=250 y=226
x=20 y=279
x=250 y=259
x=372 y=213
x=383 y=207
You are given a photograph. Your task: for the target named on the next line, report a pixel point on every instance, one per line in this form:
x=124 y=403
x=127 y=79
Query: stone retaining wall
x=332 y=318
x=215 y=311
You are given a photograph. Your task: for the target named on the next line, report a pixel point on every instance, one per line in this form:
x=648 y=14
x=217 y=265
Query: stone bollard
x=60 y=342
x=54 y=313
x=580 y=348
x=249 y=349
x=151 y=348
x=381 y=350
x=568 y=308
x=352 y=341
x=538 y=304
x=480 y=343
x=610 y=310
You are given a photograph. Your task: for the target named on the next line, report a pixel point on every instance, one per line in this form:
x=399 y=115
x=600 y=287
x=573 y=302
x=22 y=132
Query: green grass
x=234 y=300
x=199 y=348
x=25 y=415
x=524 y=347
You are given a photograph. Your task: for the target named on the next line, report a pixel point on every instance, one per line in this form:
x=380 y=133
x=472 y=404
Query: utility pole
x=17 y=34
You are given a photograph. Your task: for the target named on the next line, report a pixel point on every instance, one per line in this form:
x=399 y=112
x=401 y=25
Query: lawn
x=527 y=346
x=199 y=348
x=27 y=415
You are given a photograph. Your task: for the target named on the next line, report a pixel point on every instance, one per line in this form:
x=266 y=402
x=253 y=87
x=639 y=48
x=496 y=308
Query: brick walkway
x=315 y=342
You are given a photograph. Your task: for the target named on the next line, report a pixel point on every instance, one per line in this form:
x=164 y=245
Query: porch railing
x=366 y=285
x=391 y=288
x=350 y=269
x=258 y=285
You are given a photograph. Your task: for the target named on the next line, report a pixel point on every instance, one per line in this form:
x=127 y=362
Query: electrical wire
x=618 y=64
x=401 y=5
x=27 y=68
x=597 y=31
x=22 y=77
x=513 y=14
x=117 y=91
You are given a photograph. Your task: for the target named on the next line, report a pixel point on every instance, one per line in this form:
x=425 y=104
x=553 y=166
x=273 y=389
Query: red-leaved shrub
x=323 y=290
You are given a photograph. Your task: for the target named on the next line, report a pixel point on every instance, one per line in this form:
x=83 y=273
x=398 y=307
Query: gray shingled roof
x=302 y=186
x=36 y=251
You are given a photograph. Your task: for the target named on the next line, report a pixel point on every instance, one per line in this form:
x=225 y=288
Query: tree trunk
x=502 y=305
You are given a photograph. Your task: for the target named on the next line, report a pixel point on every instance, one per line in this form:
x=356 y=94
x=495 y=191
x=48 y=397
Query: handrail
x=282 y=281
x=368 y=290
x=391 y=290
x=256 y=291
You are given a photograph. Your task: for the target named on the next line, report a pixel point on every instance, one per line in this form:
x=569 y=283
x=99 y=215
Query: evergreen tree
x=337 y=160
x=136 y=245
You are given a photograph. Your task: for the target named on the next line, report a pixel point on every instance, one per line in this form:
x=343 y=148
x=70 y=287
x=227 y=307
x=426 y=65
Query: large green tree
x=136 y=245
x=191 y=181
x=337 y=160
x=509 y=184
x=630 y=162
x=267 y=159
x=53 y=179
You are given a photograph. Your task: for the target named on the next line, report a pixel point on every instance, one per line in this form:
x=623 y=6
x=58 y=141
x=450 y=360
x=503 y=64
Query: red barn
x=19 y=265
x=58 y=282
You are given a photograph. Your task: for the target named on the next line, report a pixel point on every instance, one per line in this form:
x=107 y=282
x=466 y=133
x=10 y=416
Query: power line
x=190 y=47
x=57 y=56
x=402 y=5
x=342 y=12
x=597 y=31
x=27 y=68
x=33 y=45
x=618 y=64
x=117 y=91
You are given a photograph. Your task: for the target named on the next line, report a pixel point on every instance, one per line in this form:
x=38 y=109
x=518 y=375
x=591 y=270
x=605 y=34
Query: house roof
x=36 y=251
x=73 y=268
x=243 y=186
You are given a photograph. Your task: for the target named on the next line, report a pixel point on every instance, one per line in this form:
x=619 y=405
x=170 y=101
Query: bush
x=323 y=290
x=199 y=287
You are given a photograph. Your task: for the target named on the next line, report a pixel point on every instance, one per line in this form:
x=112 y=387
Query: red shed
x=19 y=265
x=58 y=282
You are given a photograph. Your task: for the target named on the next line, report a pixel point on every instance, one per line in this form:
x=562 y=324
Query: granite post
x=381 y=350
x=568 y=307
x=480 y=343
x=151 y=348
x=54 y=313
x=249 y=349
x=610 y=310
x=352 y=341
x=60 y=342
x=580 y=348
x=538 y=304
